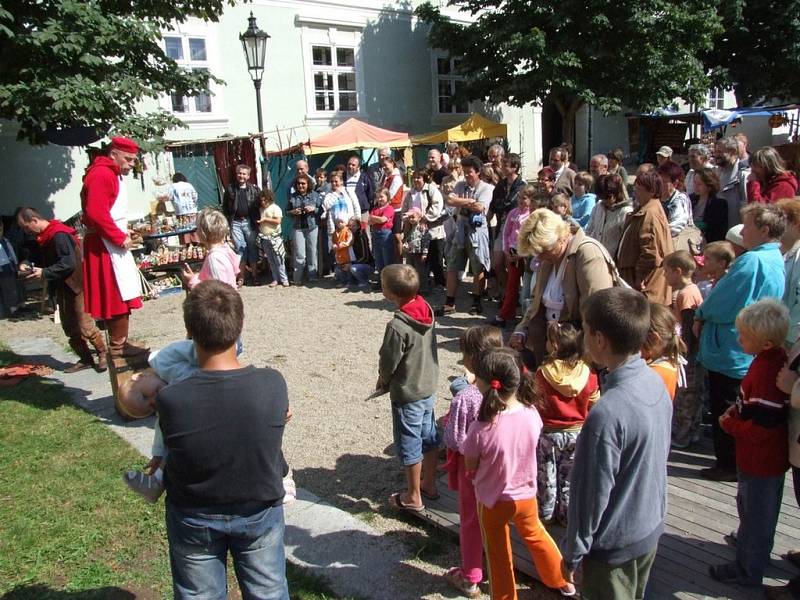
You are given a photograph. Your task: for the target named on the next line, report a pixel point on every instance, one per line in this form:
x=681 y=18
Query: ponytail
x=499 y=368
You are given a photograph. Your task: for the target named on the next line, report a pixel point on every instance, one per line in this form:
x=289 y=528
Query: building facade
x=327 y=61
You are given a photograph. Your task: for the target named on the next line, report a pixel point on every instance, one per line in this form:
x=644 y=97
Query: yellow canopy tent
x=477 y=127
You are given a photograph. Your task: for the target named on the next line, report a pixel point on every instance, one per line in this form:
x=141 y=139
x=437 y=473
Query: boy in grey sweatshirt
x=618 y=485
x=408 y=368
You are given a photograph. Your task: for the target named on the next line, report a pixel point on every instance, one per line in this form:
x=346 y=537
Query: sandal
x=396 y=502
x=463 y=585
x=429 y=496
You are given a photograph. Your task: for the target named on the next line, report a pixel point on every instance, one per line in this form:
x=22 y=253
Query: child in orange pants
x=501 y=449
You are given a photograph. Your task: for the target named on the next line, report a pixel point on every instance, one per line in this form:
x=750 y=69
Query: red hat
x=124 y=144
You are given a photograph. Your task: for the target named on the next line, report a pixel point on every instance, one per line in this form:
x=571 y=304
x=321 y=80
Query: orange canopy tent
x=350 y=135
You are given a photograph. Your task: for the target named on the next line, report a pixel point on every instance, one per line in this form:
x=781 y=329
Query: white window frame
x=198 y=30
x=341 y=34
x=715 y=98
x=435 y=77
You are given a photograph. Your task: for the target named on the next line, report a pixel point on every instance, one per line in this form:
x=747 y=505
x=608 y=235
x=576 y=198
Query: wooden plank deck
x=699 y=514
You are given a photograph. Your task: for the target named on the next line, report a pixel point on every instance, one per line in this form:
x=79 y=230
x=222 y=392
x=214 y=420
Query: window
x=716 y=98
x=334 y=76
x=448 y=84
x=190 y=53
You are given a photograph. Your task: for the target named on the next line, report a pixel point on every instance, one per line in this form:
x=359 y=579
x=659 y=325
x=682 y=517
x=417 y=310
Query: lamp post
x=254 y=44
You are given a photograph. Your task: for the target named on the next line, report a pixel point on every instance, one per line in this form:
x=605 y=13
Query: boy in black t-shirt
x=223 y=429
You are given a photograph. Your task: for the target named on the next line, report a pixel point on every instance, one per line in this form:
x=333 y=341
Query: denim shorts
x=414 y=427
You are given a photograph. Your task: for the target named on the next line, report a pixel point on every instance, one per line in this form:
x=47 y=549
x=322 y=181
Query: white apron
x=125 y=270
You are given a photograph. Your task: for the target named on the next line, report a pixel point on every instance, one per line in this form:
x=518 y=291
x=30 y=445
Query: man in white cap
x=663 y=154
x=111 y=283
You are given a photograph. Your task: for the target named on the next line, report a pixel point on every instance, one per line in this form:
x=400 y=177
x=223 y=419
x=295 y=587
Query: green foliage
x=69 y=63
x=758 y=55
x=640 y=54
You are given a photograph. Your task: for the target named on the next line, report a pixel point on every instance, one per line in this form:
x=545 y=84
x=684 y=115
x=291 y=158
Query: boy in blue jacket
x=756 y=274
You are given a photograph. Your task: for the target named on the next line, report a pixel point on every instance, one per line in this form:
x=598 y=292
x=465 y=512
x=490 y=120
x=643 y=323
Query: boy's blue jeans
x=199 y=541
x=758 y=500
x=414 y=428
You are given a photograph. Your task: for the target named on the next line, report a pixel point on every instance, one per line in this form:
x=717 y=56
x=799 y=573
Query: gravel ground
x=325 y=342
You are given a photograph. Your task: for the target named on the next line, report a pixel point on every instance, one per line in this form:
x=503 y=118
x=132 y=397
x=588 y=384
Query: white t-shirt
x=184 y=198
x=273 y=211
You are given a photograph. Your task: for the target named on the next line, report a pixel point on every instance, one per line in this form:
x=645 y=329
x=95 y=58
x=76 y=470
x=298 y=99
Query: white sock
x=159 y=475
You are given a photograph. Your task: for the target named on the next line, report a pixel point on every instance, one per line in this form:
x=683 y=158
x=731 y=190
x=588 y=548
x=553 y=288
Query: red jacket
x=759 y=423
x=566 y=394
x=781 y=186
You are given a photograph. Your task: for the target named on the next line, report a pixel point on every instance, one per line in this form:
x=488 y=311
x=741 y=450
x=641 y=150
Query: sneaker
x=147 y=486
x=727 y=573
x=457 y=580
x=444 y=310
x=476 y=308
x=289 y=489
x=781 y=592
x=498 y=322
x=730 y=539
x=716 y=474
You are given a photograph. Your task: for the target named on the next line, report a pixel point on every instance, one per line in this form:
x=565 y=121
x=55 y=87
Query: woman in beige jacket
x=645 y=242
x=571 y=267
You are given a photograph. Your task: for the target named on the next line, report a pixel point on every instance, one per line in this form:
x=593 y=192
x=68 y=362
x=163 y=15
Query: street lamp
x=254 y=44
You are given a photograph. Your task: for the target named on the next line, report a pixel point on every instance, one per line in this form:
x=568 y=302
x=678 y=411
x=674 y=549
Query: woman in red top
x=769 y=180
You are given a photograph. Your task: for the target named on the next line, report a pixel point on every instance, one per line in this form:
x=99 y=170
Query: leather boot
x=98 y=341
x=118 y=333
x=80 y=348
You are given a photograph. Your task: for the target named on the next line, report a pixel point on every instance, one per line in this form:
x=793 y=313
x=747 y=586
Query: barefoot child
x=567 y=389
x=463 y=412
x=617 y=507
x=409 y=369
x=501 y=449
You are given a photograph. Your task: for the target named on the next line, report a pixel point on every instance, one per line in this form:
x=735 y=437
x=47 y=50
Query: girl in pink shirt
x=466 y=403
x=501 y=449
x=221 y=262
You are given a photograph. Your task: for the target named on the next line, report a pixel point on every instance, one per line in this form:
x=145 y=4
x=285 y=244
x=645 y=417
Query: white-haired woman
x=769 y=179
x=572 y=266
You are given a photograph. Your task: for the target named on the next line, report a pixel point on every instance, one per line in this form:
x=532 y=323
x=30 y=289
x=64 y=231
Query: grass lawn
x=69 y=528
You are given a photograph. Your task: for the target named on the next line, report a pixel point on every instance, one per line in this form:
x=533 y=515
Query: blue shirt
x=756 y=274
x=582 y=208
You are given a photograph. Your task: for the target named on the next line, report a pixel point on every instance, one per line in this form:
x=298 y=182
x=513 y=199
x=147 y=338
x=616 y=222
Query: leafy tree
x=73 y=63
x=640 y=54
x=758 y=53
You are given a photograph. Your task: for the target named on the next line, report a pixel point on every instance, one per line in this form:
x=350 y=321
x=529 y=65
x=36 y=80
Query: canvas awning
x=477 y=127
x=354 y=134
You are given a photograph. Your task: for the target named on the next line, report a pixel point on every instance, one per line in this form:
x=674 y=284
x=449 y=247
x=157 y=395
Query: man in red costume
x=64 y=275
x=111 y=282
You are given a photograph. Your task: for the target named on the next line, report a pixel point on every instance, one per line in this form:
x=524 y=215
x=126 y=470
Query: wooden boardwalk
x=699 y=514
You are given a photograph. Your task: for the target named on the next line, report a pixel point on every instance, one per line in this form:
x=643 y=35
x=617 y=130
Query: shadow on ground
x=43 y=592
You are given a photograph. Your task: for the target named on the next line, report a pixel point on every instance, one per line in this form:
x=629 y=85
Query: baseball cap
x=665 y=151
